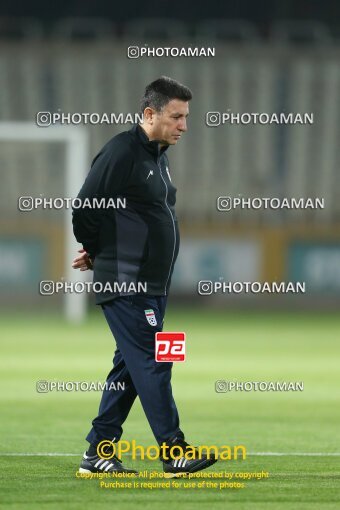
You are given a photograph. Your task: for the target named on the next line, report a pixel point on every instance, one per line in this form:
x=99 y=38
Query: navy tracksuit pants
x=135 y=365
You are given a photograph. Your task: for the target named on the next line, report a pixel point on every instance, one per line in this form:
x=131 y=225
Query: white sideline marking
x=250 y=454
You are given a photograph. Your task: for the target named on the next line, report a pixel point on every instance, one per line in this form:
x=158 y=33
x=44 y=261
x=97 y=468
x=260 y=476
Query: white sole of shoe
x=176 y=475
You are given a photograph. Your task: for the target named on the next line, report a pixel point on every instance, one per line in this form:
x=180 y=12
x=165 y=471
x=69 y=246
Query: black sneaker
x=95 y=464
x=181 y=466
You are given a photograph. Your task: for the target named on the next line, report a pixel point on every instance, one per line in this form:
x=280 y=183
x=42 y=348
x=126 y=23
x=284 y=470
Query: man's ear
x=148 y=115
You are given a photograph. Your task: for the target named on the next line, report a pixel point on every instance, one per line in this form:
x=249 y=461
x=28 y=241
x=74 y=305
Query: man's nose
x=183 y=125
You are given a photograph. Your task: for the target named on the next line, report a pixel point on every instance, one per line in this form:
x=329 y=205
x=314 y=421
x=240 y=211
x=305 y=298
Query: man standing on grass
x=128 y=246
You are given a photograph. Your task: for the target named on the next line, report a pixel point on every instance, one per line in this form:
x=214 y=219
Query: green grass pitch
x=220 y=345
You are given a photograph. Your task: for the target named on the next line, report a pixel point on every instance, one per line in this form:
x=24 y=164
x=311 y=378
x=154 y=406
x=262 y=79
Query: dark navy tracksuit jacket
x=139 y=243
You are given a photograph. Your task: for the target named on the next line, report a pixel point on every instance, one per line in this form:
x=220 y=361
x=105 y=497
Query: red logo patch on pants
x=170 y=346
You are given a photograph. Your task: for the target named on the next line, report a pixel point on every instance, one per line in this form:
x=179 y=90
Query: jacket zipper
x=172 y=218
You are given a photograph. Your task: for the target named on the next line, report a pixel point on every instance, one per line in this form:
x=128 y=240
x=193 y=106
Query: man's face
x=169 y=124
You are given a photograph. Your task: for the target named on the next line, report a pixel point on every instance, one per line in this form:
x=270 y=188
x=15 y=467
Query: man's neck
x=151 y=137
x=147 y=132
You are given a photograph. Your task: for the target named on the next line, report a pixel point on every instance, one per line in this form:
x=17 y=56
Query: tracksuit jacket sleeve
x=106 y=179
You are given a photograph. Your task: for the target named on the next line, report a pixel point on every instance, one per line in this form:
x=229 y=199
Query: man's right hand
x=83 y=262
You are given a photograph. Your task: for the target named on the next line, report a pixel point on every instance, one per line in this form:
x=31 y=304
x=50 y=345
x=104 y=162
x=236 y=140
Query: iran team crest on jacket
x=150 y=317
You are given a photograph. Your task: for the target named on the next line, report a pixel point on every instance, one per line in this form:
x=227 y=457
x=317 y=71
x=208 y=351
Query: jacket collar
x=151 y=146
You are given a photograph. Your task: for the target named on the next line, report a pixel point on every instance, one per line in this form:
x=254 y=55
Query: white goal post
x=76 y=144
